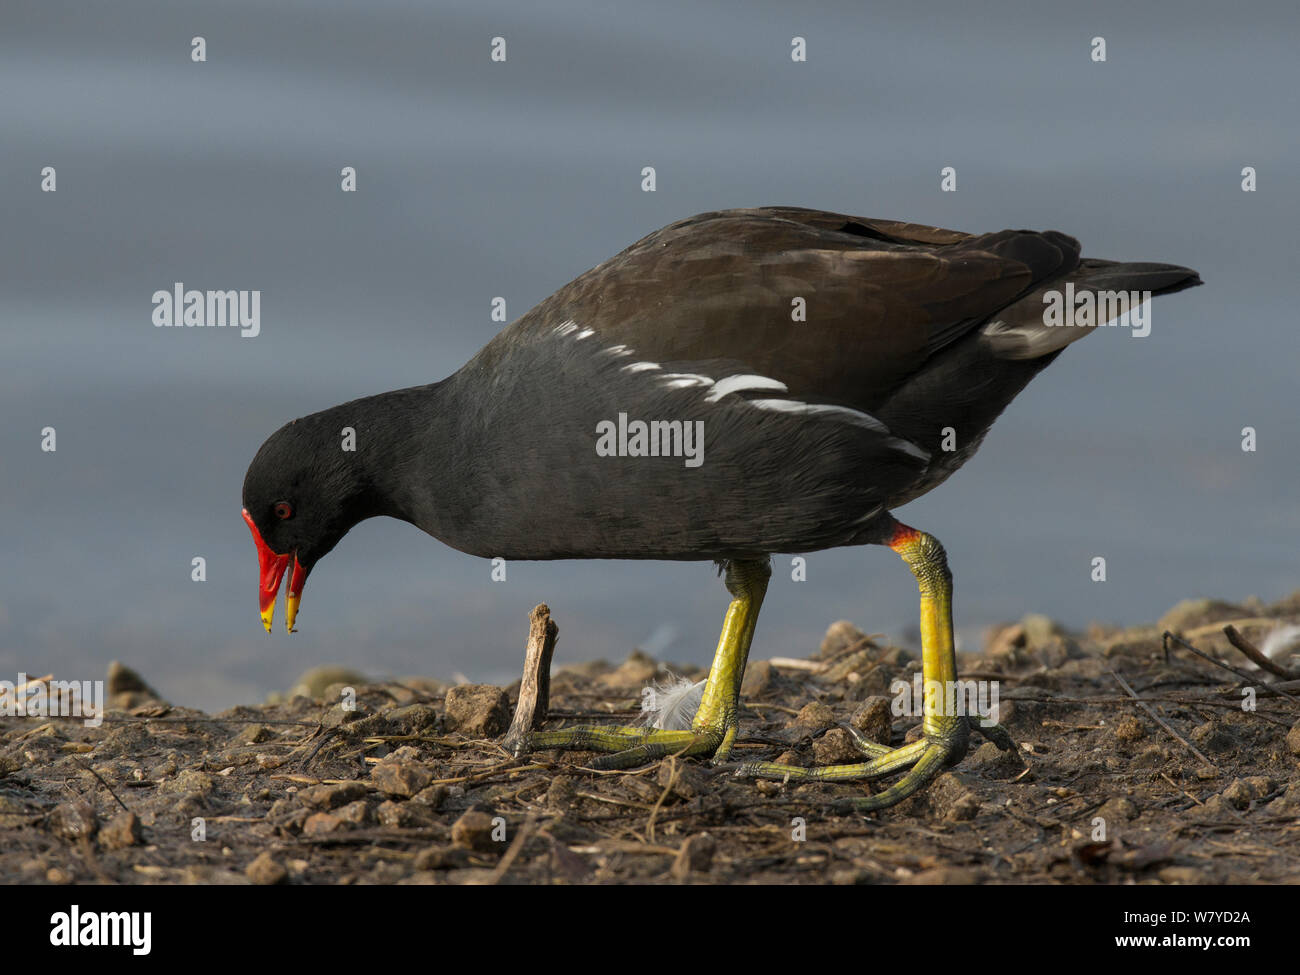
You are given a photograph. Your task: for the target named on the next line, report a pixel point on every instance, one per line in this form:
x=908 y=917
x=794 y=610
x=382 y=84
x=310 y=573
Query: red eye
x=283 y=510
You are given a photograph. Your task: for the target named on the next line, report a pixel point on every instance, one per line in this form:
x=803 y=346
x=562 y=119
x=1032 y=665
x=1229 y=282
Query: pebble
x=815 y=715
x=333 y=796
x=1129 y=729
x=266 y=870
x=695 y=854
x=836 y=747
x=120 y=832
x=477 y=710
x=874 y=717
x=74 y=819
x=473 y=831
x=398 y=777
x=1293 y=739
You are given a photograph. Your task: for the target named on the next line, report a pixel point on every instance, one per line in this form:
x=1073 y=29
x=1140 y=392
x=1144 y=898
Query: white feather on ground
x=1281 y=641
x=672 y=705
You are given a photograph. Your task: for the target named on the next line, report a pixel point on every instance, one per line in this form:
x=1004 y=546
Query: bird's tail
x=1067 y=308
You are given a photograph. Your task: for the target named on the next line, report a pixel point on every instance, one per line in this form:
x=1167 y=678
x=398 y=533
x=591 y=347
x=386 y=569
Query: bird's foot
x=629 y=745
x=925 y=758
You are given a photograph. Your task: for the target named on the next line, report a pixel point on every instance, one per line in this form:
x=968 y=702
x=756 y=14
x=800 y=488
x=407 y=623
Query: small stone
x=1040 y=630
x=266 y=871
x=332 y=796
x=254 y=734
x=74 y=819
x=1054 y=652
x=357 y=813
x=321 y=823
x=840 y=636
x=190 y=783
x=57 y=875
x=815 y=716
x=1191 y=613
x=1129 y=729
x=964 y=808
x=1217 y=807
x=413 y=719
x=399 y=777
x=404 y=815
x=1153 y=756
x=440 y=858
x=211 y=876
x=1242 y=792
x=689 y=782
x=638 y=669
x=1213 y=736
x=1118 y=810
x=695 y=854
x=477 y=710
x=994 y=762
x=473 y=831
x=1293 y=739
x=1006 y=640
x=1181 y=875
x=338 y=716
x=371 y=726
x=315 y=682
x=125 y=689
x=1281 y=806
x=952 y=799
x=874 y=717
x=836 y=747
x=33 y=866
x=121 y=831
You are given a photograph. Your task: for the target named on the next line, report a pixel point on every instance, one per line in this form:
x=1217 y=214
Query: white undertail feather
x=1281 y=641
x=671 y=706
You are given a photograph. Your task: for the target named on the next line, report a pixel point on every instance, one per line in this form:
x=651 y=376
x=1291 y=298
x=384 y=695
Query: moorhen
x=737 y=384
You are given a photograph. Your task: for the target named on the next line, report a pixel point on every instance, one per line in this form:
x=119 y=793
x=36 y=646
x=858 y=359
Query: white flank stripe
x=565 y=328
x=586 y=333
x=641 y=367
x=856 y=417
x=681 y=380
x=907 y=447
x=736 y=384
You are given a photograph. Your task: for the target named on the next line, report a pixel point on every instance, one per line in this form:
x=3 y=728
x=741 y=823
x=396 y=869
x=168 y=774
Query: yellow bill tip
x=290 y=612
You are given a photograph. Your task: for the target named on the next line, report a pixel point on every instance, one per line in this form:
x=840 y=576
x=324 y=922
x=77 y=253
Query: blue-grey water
x=478 y=179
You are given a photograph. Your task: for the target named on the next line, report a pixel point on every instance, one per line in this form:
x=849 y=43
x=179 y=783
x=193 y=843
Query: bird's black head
x=302 y=493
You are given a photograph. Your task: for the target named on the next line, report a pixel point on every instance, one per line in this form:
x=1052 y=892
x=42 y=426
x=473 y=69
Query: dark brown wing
x=881 y=296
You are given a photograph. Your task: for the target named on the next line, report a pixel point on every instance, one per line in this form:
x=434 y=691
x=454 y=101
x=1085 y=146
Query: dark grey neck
x=404 y=465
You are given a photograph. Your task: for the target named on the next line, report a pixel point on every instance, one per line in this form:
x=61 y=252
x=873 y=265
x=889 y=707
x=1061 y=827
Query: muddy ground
x=410 y=787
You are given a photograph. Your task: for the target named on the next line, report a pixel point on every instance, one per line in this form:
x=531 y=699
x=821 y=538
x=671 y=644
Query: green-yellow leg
x=713 y=731
x=945 y=735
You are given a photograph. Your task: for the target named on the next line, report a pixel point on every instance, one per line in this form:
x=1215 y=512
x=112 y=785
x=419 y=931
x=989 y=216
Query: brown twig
x=516 y=847
x=673 y=771
x=1248 y=678
x=1257 y=657
x=535 y=688
x=101 y=782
